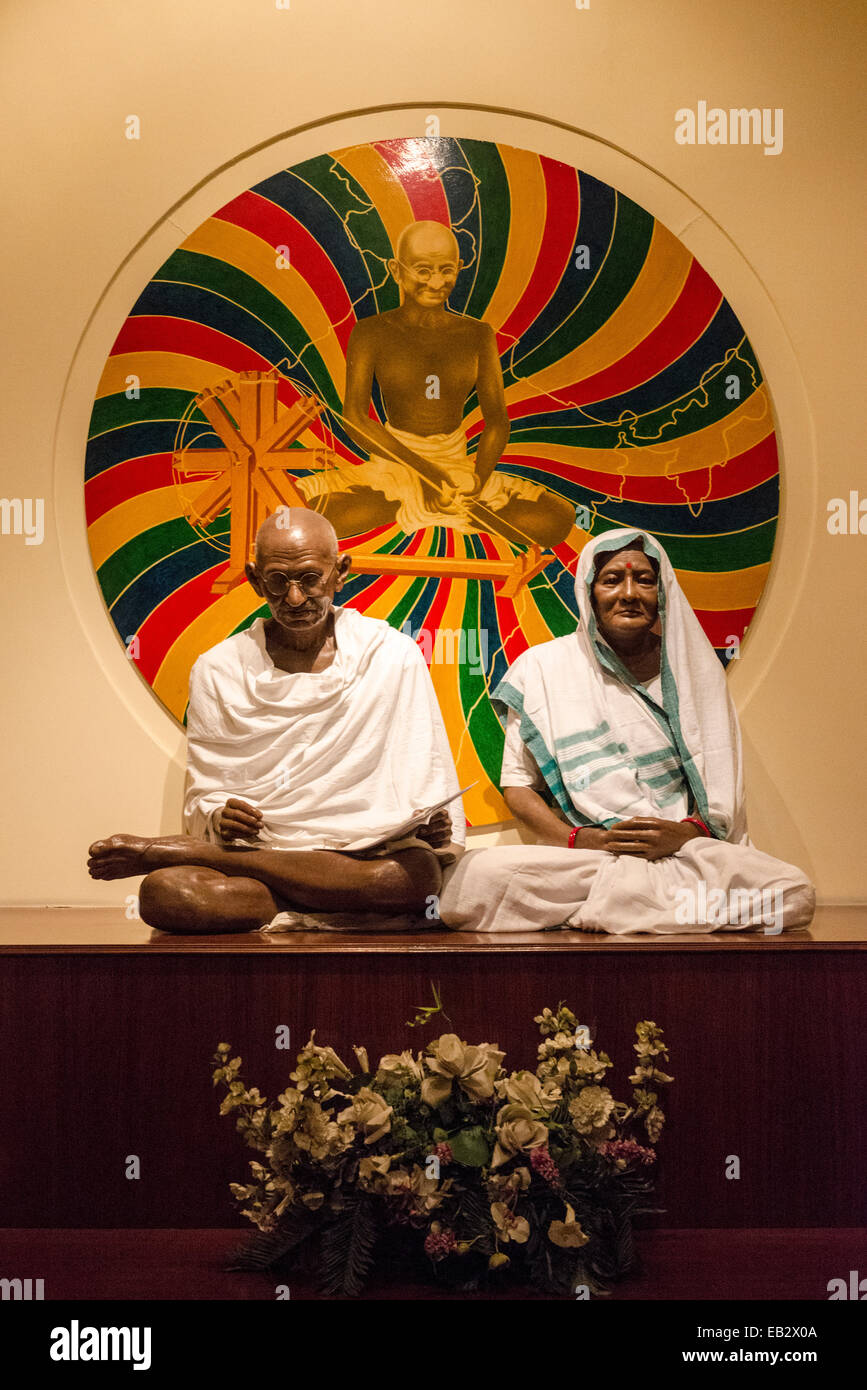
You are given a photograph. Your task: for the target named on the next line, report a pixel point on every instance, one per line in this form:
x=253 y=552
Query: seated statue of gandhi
x=427 y=361
x=312 y=736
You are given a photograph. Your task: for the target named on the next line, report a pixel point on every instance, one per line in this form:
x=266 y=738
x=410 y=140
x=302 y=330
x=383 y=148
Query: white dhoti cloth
x=604 y=748
x=708 y=885
x=400 y=483
x=332 y=758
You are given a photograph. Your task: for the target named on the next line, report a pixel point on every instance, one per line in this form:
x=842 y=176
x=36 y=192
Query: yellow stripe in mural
x=533 y=625
x=387 y=602
x=730 y=589
x=217 y=622
x=399 y=587
x=128 y=519
x=174 y=371
x=483 y=799
x=169 y=370
x=527 y=213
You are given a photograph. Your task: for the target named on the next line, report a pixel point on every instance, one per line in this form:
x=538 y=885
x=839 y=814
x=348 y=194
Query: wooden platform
x=104 y=930
x=108 y=1029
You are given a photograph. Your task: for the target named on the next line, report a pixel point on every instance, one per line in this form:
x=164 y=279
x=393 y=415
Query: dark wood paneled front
x=108 y=1054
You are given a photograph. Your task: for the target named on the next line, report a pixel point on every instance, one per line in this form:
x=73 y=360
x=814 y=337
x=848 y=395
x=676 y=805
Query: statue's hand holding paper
x=460 y=488
x=438 y=831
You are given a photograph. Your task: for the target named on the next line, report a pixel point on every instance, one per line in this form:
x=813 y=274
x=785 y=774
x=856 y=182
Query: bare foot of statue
x=192 y=885
x=125 y=856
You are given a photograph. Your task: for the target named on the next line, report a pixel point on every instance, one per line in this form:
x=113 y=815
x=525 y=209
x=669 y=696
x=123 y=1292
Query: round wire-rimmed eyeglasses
x=276 y=584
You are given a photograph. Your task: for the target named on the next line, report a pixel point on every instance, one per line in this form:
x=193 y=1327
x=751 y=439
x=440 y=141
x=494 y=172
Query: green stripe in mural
x=155 y=403
x=148 y=548
x=208 y=273
x=487 y=166
x=398 y=615
x=352 y=203
x=713 y=553
x=633 y=232
x=698 y=408
x=552 y=608
x=485 y=729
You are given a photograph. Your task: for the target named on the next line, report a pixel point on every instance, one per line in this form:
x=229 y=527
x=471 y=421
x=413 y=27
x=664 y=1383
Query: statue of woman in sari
x=623 y=757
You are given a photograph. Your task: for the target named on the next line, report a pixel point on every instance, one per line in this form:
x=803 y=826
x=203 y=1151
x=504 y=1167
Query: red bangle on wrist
x=573 y=835
x=694 y=820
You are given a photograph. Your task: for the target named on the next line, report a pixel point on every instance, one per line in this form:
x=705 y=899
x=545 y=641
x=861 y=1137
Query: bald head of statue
x=298 y=571
x=427 y=263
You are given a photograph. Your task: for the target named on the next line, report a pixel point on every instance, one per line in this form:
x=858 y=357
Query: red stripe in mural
x=746 y=470
x=132 y=478
x=419 y=175
x=727 y=479
x=684 y=323
x=277 y=227
x=361 y=602
x=508 y=624
x=558 y=239
x=355 y=543
x=165 y=623
x=162 y=333
x=491 y=551
x=507 y=619
x=567 y=556
x=720 y=625
x=437 y=607
x=166 y=333
x=137 y=476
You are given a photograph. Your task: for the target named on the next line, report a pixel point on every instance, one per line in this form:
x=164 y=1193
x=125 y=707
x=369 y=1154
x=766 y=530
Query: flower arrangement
x=446 y=1155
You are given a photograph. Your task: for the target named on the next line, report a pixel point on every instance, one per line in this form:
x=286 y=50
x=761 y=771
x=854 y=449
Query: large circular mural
x=587 y=373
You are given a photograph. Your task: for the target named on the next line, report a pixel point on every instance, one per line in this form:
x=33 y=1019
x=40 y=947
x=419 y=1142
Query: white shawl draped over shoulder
x=329 y=757
x=606 y=749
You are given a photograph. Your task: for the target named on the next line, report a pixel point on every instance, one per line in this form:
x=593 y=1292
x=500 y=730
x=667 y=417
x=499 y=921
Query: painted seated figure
x=427 y=361
x=315 y=730
x=623 y=757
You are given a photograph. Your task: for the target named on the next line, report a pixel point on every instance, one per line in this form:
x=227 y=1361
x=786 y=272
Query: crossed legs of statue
x=193 y=886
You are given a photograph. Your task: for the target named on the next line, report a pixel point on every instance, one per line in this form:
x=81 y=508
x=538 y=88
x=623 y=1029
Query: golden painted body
x=427 y=362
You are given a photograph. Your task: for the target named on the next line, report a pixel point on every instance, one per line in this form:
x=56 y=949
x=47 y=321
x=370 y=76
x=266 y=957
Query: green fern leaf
x=348 y=1247
x=263 y=1250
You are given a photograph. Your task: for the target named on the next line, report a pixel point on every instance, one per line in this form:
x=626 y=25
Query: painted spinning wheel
x=249 y=476
x=632 y=394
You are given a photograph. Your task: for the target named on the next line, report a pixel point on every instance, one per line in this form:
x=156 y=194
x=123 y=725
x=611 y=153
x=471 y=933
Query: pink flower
x=439 y=1243
x=628 y=1150
x=542 y=1163
x=444 y=1153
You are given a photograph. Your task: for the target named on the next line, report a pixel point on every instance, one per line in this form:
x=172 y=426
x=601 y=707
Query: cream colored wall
x=89 y=216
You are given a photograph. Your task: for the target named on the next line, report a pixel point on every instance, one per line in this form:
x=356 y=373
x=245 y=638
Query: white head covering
x=694 y=693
